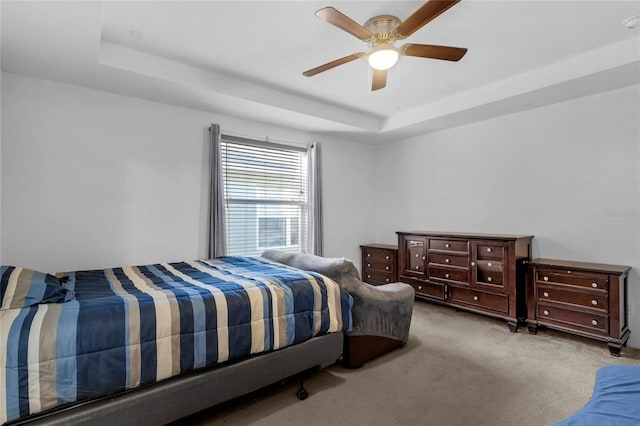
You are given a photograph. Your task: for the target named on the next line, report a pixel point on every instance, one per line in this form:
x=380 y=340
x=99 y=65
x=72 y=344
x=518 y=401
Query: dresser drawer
x=379 y=265
x=590 y=299
x=489 y=252
x=490 y=265
x=448 y=260
x=425 y=288
x=593 y=323
x=593 y=281
x=378 y=277
x=492 y=301
x=449 y=245
x=449 y=274
x=371 y=253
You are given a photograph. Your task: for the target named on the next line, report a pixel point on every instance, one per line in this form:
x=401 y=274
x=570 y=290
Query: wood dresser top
x=382 y=246
x=586 y=266
x=467 y=235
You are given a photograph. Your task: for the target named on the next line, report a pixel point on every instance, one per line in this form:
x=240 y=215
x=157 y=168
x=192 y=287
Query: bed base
x=178 y=397
x=360 y=349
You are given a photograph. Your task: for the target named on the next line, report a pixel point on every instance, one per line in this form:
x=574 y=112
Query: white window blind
x=266 y=196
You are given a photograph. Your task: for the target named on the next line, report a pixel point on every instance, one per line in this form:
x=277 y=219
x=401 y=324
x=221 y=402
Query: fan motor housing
x=383 y=28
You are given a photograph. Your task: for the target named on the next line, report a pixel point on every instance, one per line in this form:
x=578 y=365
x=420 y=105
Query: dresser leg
x=614 y=349
x=533 y=328
x=513 y=326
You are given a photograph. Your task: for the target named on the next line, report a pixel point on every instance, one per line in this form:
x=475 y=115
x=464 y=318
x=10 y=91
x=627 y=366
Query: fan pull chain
x=399 y=83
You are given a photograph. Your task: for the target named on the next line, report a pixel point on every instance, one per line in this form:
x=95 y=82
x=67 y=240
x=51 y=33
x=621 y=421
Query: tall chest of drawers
x=482 y=273
x=379 y=263
x=587 y=299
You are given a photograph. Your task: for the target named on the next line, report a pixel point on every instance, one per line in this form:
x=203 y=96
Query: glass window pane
x=266 y=190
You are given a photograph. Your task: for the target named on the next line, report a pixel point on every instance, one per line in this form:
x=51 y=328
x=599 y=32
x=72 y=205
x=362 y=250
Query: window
x=266 y=196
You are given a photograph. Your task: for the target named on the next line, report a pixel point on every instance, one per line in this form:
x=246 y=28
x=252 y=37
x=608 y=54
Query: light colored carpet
x=457 y=369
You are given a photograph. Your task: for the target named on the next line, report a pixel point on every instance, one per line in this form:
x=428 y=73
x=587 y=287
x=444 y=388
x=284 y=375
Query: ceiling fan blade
x=433 y=51
x=379 y=80
x=342 y=21
x=332 y=64
x=429 y=11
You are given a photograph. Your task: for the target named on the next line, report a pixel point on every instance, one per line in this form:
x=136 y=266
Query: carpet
x=458 y=369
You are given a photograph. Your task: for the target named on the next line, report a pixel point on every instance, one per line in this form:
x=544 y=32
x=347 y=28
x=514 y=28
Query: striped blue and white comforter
x=135 y=325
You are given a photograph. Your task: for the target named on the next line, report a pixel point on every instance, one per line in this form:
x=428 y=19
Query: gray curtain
x=217 y=223
x=315 y=201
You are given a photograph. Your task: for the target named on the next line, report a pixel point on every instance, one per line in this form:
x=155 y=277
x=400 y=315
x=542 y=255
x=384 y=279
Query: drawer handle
x=417 y=255
x=489 y=279
x=594 y=302
x=368 y=254
x=417 y=267
x=594 y=322
x=546 y=312
x=447 y=245
x=594 y=285
x=447 y=260
x=368 y=276
x=546 y=294
x=546 y=278
x=473 y=263
x=387 y=268
x=387 y=257
x=446 y=275
x=368 y=265
x=476 y=298
x=419 y=287
x=387 y=280
x=424 y=257
x=489 y=264
x=489 y=249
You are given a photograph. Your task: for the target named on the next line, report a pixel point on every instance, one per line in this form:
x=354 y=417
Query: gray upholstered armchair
x=381 y=314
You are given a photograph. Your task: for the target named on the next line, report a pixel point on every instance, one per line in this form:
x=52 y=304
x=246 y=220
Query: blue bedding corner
x=615 y=400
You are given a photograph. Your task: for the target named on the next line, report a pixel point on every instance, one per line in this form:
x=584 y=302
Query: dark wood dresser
x=588 y=299
x=482 y=273
x=379 y=263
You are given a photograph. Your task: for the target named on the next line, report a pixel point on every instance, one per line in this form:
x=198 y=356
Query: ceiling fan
x=381 y=32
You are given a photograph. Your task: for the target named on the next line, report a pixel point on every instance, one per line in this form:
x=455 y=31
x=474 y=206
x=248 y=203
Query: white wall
x=567 y=173
x=92 y=179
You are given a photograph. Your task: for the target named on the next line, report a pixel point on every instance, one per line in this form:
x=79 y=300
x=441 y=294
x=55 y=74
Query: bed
x=172 y=338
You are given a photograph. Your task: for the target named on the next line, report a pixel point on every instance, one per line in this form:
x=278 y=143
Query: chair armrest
x=382 y=310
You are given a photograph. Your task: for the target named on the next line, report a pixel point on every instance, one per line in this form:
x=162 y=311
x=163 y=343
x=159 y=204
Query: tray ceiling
x=246 y=58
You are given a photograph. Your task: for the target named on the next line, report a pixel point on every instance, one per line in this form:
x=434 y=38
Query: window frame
x=264 y=204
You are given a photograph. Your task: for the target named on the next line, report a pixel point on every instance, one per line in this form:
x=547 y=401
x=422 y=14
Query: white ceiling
x=246 y=58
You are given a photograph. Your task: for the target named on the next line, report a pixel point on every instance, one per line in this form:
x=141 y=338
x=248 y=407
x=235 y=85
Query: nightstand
x=379 y=263
x=588 y=299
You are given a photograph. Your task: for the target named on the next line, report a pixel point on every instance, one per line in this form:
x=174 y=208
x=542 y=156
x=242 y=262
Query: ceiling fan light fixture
x=383 y=57
x=381 y=33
